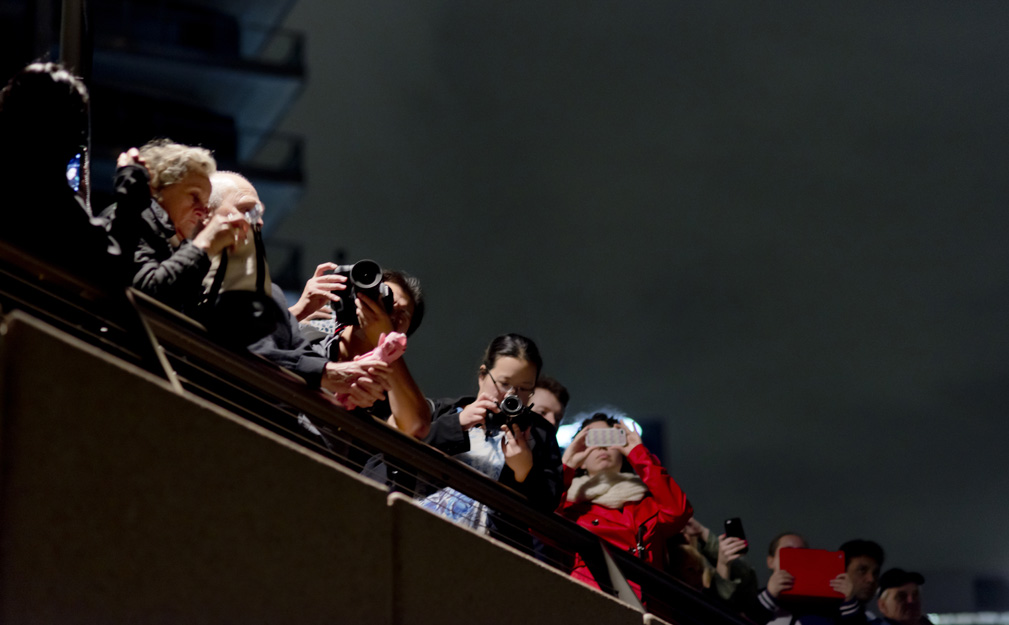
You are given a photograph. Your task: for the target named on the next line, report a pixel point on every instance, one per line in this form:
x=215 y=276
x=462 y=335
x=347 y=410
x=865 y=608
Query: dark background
x=779 y=231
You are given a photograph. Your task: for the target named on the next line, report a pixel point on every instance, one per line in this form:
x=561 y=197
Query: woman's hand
x=633 y=439
x=729 y=549
x=517 y=454
x=373 y=319
x=780 y=580
x=221 y=231
x=842 y=584
x=694 y=529
x=131 y=157
x=318 y=293
x=474 y=414
x=576 y=452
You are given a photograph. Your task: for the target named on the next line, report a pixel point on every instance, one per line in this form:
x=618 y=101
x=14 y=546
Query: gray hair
x=169 y=162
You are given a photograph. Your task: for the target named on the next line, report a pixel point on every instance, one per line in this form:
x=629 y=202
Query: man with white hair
x=900 y=598
x=364 y=380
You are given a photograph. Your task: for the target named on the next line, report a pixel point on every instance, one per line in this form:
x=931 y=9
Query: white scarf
x=611 y=490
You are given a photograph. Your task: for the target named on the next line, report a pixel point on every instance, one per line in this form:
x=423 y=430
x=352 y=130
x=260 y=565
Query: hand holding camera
x=318 y=294
x=365 y=278
x=475 y=413
x=510 y=412
x=221 y=231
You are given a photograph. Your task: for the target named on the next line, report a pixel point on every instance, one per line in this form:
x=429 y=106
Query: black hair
x=514 y=346
x=599 y=416
x=547 y=383
x=44 y=117
x=411 y=285
x=777 y=539
x=602 y=417
x=858 y=547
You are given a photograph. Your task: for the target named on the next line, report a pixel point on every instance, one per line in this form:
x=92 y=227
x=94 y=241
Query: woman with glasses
x=525 y=459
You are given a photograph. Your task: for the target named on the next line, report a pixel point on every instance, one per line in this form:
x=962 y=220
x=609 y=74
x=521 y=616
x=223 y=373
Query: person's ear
x=770 y=562
x=482 y=371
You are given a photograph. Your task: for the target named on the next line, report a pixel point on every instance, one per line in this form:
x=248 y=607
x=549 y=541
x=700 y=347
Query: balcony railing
x=166 y=343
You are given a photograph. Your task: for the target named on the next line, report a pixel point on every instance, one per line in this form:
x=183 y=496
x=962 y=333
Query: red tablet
x=813 y=569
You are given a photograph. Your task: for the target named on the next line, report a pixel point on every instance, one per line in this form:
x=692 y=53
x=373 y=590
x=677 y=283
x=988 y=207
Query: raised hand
x=780 y=580
x=220 y=231
x=373 y=319
x=729 y=549
x=633 y=439
x=842 y=584
x=474 y=414
x=574 y=456
x=517 y=454
x=317 y=294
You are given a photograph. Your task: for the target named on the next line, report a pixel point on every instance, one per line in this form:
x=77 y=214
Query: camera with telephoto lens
x=363 y=277
x=513 y=412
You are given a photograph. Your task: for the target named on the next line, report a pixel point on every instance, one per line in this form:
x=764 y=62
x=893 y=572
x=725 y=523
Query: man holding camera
x=365 y=381
x=361 y=318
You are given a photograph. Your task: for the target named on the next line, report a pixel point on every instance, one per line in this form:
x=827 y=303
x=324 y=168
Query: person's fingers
x=324 y=267
x=382 y=377
x=370 y=387
x=360 y=397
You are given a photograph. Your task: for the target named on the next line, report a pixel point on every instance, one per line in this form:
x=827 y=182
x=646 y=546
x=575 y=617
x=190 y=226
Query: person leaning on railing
x=525 y=459
x=284 y=345
x=167 y=185
x=637 y=509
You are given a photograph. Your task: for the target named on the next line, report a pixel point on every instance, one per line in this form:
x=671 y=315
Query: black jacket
x=163 y=267
x=286 y=347
x=545 y=482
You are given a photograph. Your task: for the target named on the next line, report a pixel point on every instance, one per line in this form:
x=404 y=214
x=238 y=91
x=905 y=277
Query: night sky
x=781 y=231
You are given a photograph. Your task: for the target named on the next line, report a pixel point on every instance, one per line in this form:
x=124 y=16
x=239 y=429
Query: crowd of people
x=189 y=236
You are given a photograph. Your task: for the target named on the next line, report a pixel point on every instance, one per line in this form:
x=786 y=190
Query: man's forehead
x=549 y=394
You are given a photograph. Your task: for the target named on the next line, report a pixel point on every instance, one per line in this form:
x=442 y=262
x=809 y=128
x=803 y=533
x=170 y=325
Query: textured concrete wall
x=449 y=574
x=122 y=501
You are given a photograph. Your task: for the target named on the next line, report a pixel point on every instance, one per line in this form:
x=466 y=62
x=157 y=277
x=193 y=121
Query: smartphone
x=734 y=529
x=605 y=437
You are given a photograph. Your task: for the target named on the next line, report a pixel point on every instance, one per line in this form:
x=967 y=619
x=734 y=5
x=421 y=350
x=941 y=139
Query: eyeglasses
x=524 y=393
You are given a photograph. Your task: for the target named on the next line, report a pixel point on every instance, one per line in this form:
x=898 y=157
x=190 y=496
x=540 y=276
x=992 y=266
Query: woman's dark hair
x=773 y=547
x=43 y=116
x=515 y=346
x=599 y=416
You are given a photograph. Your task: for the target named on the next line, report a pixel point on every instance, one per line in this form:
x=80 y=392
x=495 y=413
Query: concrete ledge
x=449 y=574
x=123 y=501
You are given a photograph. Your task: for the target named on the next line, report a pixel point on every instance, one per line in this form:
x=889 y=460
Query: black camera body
x=512 y=412
x=363 y=277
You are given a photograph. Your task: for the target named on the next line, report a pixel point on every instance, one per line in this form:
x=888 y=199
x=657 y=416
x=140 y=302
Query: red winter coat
x=662 y=514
